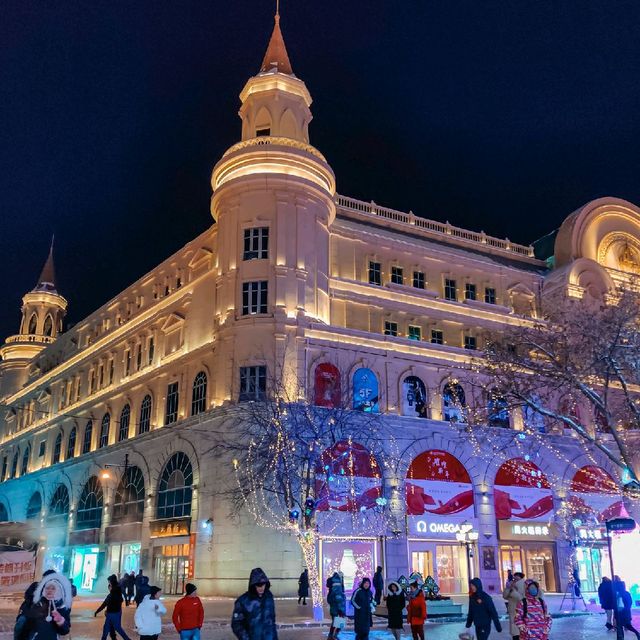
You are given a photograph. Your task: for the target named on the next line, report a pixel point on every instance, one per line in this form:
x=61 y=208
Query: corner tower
x=273 y=201
x=43 y=312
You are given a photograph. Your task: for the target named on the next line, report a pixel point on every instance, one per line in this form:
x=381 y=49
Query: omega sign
x=437 y=528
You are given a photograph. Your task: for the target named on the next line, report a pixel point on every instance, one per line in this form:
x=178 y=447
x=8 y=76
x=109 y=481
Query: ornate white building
x=291 y=272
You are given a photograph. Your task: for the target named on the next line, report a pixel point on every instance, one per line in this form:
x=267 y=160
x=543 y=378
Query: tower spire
x=47 y=279
x=276 y=57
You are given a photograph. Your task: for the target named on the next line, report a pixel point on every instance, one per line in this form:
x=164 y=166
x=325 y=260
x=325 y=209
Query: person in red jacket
x=188 y=614
x=416 y=610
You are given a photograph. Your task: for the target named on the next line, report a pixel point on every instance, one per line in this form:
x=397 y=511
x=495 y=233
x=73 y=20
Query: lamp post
x=467 y=537
x=106 y=476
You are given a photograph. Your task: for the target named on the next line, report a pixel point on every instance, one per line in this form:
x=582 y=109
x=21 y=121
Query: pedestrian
x=509 y=578
x=21 y=618
x=142 y=589
x=482 y=610
x=378 y=585
x=362 y=601
x=130 y=586
x=416 y=610
x=532 y=617
x=395 y=601
x=607 y=600
x=254 y=612
x=148 y=616
x=138 y=580
x=623 y=610
x=48 y=616
x=188 y=614
x=337 y=605
x=303 y=586
x=113 y=614
x=513 y=594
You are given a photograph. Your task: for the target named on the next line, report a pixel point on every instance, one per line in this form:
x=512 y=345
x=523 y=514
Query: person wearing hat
x=188 y=614
x=148 y=617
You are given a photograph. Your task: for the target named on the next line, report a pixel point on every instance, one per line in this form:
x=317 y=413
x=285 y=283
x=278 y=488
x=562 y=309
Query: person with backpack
x=512 y=595
x=482 y=611
x=395 y=601
x=337 y=605
x=532 y=617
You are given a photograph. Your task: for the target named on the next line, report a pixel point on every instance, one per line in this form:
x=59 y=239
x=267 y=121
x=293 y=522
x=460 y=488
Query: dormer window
x=263 y=131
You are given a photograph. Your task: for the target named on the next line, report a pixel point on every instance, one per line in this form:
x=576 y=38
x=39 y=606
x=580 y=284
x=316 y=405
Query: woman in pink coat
x=532 y=616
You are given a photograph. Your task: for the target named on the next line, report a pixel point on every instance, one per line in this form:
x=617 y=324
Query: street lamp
x=105 y=475
x=467 y=537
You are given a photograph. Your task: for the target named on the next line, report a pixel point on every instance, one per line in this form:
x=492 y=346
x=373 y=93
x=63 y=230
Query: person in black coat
x=142 y=589
x=378 y=585
x=607 y=600
x=303 y=586
x=130 y=588
x=337 y=603
x=254 y=612
x=482 y=610
x=113 y=614
x=396 y=602
x=36 y=623
x=623 y=611
x=362 y=599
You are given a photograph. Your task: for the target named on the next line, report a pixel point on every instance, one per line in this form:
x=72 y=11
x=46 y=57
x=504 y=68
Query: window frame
x=416 y=330
x=144 y=424
x=397 y=274
x=391 y=328
x=199 y=393
x=124 y=423
x=172 y=403
x=450 y=289
x=254 y=386
x=374 y=272
x=255 y=298
x=490 y=295
x=419 y=280
x=255 y=243
x=470 y=291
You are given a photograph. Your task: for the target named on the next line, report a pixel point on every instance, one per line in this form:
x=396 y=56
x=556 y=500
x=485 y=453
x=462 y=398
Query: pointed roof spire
x=47 y=279
x=276 y=57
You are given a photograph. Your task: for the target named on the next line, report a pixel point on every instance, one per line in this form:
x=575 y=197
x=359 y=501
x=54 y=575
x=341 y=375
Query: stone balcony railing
x=433 y=227
x=280 y=141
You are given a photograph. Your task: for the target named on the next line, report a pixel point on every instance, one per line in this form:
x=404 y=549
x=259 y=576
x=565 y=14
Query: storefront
x=173 y=554
x=523 y=503
x=594 y=498
x=355 y=557
x=86 y=564
x=124 y=557
x=439 y=496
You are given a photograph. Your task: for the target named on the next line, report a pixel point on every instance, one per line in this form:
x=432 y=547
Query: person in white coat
x=513 y=594
x=149 y=614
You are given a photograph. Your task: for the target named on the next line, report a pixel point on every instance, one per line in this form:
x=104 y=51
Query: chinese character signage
x=17 y=569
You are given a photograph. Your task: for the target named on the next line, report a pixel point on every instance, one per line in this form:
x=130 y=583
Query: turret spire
x=47 y=279
x=276 y=57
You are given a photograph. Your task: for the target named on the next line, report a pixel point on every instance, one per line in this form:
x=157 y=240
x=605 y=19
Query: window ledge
x=487 y=305
x=405 y=288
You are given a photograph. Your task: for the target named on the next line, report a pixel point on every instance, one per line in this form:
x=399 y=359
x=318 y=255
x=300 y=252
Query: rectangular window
x=92 y=381
x=490 y=295
x=100 y=376
x=414 y=333
x=253 y=383
x=469 y=291
x=5 y=462
x=171 y=413
x=78 y=388
x=111 y=371
x=450 y=291
x=256 y=243
x=151 y=346
x=265 y=131
x=397 y=275
x=254 y=297
x=375 y=273
x=43 y=448
x=437 y=336
x=390 y=328
x=470 y=342
x=139 y=357
x=127 y=362
x=418 y=279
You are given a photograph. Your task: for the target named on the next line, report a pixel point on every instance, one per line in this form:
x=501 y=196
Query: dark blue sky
x=496 y=115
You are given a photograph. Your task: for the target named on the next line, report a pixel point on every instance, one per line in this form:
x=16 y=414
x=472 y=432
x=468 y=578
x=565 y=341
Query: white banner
x=17 y=569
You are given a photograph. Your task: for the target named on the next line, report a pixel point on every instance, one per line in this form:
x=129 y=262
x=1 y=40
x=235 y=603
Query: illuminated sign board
x=439 y=527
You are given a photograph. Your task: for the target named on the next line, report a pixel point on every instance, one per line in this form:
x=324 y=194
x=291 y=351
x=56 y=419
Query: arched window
x=71 y=444
x=14 y=465
x=104 y=431
x=453 y=402
x=88 y=434
x=128 y=505
x=497 y=410
x=89 y=513
x=48 y=326
x=328 y=387
x=174 y=488
x=33 y=323
x=145 y=415
x=199 y=394
x=365 y=391
x=125 y=418
x=57 y=449
x=4 y=514
x=25 y=461
x=34 y=508
x=414 y=398
x=59 y=505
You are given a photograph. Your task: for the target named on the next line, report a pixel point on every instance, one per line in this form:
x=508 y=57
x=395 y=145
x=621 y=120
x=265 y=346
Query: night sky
x=495 y=115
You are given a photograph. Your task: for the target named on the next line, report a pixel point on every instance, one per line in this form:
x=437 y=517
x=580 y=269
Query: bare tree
x=298 y=465
x=578 y=369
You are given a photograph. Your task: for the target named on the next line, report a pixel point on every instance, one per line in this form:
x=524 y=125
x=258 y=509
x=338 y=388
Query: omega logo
x=437 y=527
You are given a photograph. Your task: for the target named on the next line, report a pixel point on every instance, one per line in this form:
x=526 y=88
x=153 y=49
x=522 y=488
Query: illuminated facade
x=383 y=303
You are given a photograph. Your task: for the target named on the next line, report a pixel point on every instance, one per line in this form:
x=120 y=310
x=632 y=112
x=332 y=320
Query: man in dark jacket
x=113 y=615
x=303 y=586
x=362 y=599
x=482 y=611
x=254 y=612
x=337 y=604
x=607 y=600
x=623 y=610
x=378 y=585
x=142 y=589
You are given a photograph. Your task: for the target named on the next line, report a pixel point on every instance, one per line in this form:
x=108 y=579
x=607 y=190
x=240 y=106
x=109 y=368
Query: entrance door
x=171 y=574
x=510 y=558
x=452 y=571
x=422 y=562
